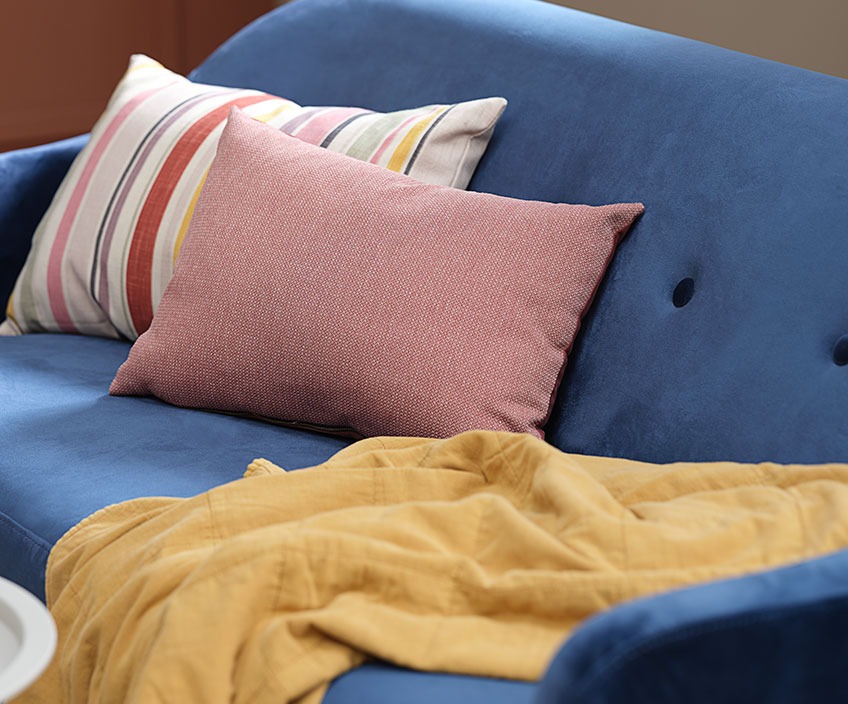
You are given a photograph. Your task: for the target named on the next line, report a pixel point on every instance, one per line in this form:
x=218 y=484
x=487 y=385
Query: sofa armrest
x=776 y=636
x=28 y=180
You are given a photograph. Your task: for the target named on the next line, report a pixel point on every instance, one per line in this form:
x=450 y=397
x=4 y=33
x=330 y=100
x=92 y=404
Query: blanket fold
x=477 y=554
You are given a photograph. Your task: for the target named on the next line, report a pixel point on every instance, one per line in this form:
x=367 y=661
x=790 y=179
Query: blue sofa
x=719 y=333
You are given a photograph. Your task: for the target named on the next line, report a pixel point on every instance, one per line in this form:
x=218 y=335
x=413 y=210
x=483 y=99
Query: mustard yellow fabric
x=477 y=554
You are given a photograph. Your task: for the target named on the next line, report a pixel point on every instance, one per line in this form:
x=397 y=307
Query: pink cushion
x=316 y=289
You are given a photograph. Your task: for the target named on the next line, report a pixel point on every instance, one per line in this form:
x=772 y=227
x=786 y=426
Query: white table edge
x=38 y=641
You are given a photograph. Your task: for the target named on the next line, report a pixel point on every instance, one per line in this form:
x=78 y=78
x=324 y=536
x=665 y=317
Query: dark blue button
x=840 y=351
x=683 y=292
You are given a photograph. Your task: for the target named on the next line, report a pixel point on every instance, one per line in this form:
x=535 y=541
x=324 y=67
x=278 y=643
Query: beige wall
x=808 y=33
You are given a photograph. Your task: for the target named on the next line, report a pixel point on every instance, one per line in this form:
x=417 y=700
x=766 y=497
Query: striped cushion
x=106 y=247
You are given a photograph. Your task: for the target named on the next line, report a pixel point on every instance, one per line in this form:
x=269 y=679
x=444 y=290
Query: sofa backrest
x=721 y=330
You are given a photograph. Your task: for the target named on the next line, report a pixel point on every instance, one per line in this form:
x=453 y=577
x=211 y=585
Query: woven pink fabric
x=315 y=289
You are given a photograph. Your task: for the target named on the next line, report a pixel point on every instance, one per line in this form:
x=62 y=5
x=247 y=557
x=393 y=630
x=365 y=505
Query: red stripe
x=140 y=259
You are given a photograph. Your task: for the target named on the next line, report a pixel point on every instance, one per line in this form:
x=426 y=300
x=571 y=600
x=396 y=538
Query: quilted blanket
x=477 y=554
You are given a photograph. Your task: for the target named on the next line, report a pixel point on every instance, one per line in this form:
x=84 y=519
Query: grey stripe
x=424 y=139
x=330 y=137
x=131 y=167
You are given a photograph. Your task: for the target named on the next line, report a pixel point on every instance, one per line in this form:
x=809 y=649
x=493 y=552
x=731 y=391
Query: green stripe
x=373 y=136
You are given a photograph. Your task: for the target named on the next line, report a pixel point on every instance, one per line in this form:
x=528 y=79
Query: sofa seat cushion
x=67 y=448
x=378 y=683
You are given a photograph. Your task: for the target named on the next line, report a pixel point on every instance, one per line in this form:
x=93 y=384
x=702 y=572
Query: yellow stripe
x=407 y=143
x=268 y=116
x=10 y=308
x=150 y=63
x=264 y=117
x=187 y=217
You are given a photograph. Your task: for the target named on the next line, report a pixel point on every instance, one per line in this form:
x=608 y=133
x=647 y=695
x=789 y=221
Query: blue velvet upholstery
x=28 y=180
x=69 y=449
x=720 y=332
x=381 y=684
x=775 y=637
x=739 y=161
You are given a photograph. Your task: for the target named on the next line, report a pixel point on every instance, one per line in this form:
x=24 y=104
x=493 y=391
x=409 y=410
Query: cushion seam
x=24 y=533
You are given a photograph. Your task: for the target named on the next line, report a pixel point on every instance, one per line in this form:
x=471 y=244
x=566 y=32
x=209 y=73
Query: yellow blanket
x=478 y=554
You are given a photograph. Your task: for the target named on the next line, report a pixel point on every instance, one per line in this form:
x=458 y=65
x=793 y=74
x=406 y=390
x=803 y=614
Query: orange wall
x=59 y=61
